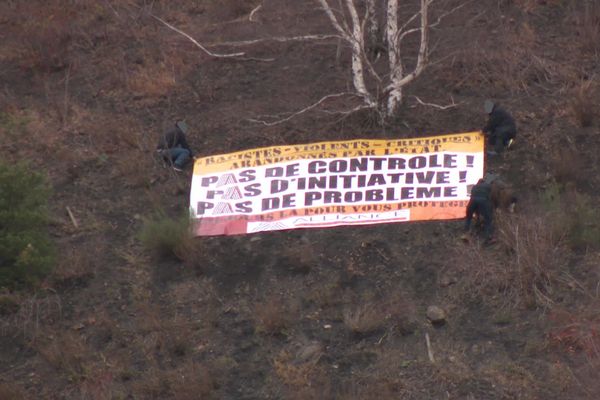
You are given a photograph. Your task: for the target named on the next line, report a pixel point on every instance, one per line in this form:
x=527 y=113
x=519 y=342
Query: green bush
x=166 y=236
x=26 y=251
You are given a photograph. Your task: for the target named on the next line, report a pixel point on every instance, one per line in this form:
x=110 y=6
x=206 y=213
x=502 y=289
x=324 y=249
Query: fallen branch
x=280 y=39
x=452 y=105
x=254 y=12
x=429 y=350
x=72 y=217
x=312 y=106
x=204 y=49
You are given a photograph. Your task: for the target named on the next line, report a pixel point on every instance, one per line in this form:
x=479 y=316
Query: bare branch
x=204 y=49
x=276 y=39
x=254 y=12
x=295 y=114
x=372 y=35
x=444 y=15
x=357 y=44
x=345 y=34
x=451 y=105
x=406 y=33
x=423 y=48
x=408 y=21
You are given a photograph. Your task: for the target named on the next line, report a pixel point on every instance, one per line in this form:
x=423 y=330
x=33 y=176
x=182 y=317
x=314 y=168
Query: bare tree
x=359 y=33
x=369 y=28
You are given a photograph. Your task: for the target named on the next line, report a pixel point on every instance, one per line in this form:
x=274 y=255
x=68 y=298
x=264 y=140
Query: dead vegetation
x=335 y=313
x=11 y=391
x=273 y=316
x=582 y=106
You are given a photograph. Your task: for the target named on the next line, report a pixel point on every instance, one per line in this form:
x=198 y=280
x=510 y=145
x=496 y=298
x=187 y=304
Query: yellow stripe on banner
x=469 y=142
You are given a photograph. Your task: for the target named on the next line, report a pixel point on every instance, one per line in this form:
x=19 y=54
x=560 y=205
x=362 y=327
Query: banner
x=328 y=184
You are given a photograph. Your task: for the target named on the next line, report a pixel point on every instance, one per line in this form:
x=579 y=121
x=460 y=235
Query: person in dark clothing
x=481 y=204
x=173 y=146
x=500 y=128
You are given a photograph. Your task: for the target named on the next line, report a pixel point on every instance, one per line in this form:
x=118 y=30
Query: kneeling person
x=481 y=204
x=174 y=147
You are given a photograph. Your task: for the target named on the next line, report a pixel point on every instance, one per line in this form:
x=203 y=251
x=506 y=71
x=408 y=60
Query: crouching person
x=481 y=205
x=500 y=129
x=173 y=146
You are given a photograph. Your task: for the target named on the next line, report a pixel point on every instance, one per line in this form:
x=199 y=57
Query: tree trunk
x=397 y=76
x=373 y=24
x=395 y=61
x=357 y=46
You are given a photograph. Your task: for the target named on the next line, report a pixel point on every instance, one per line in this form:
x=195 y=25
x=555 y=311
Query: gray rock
x=447 y=280
x=436 y=315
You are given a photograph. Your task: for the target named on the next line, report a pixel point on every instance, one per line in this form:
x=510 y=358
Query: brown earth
x=309 y=314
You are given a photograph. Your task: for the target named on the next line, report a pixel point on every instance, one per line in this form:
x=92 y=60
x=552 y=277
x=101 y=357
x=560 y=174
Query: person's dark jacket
x=481 y=204
x=173 y=138
x=482 y=191
x=499 y=118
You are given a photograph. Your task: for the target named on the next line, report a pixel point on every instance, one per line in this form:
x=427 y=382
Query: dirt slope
x=325 y=314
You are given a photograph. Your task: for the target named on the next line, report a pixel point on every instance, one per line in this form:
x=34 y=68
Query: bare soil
x=87 y=87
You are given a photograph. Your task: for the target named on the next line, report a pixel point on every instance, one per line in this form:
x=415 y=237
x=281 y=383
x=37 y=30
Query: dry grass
x=538 y=256
x=364 y=318
x=582 y=104
x=47 y=38
x=9 y=391
x=67 y=352
x=566 y=164
x=153 y=80
x=190 y=381
x=578 y=330
x=300 y=258
x=98 y=386
x=586 y=20
x=573 y=216
x=511 y=63
x=170 y=336
x=523 y=269
x=77 y=266
x=34 y=314
x=272 y=316
x=297 y=372
x=49 y=31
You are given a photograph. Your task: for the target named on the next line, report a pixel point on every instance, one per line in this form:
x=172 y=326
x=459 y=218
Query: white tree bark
x=357 y=45
x=373 y=23
x=394 y=59
x=399 y=75
x=356 y=42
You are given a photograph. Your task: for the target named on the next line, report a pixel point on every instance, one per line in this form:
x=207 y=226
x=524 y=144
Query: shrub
x=537 y=256
x=166 y=236
x=272 y=316
x=26 y=252
x=364 y=319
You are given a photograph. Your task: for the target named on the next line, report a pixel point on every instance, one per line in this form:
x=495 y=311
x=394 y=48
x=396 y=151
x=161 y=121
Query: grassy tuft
x=166 y=236
x=272 y=316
